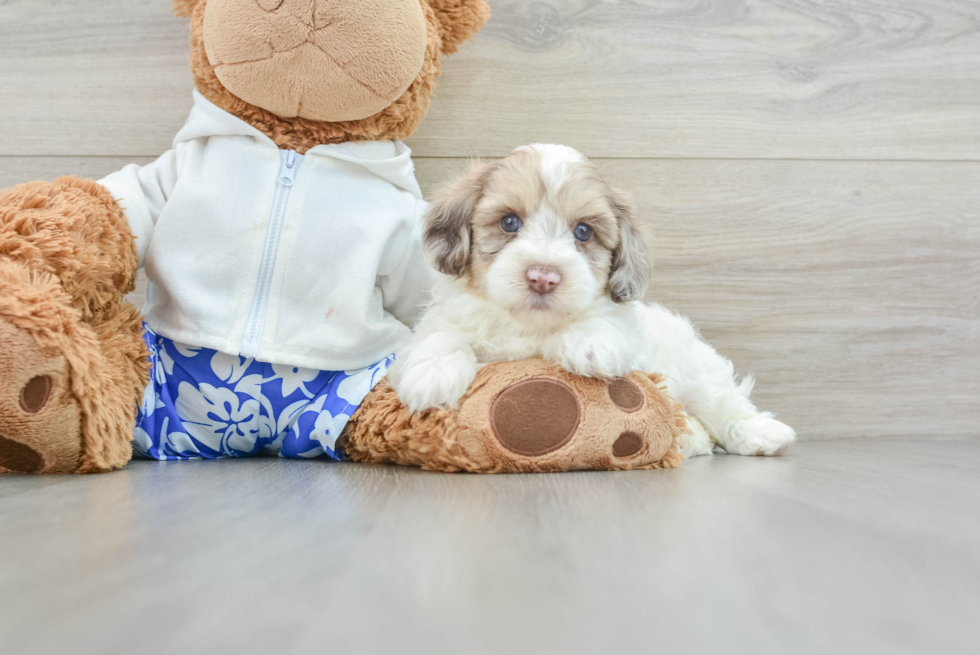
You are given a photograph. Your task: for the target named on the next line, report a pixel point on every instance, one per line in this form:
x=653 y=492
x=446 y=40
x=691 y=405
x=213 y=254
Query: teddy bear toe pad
x=629 y=443
x=15 y=456
x=626 y=395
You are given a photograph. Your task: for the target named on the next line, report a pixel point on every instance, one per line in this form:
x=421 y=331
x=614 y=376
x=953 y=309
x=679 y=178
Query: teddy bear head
x=308 y=72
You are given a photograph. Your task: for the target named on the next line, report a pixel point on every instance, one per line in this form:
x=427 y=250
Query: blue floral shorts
x=202 y=403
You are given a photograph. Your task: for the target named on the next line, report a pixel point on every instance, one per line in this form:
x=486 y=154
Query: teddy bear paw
x=542 y=418
x=40 y=420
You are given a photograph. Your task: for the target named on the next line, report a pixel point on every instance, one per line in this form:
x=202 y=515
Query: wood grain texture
x=851 y=290
x=666 y=78
x=869 y=547
x=92 y=77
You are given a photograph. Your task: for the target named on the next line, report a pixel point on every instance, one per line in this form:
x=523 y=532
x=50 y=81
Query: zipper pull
x=287 y=175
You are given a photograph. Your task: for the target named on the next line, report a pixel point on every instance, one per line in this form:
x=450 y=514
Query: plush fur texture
x=544 y=212
x=597 y=428
x=458 y=20
x=447 y=26
x=67 y=258
x=74 y=230
x=296 y=58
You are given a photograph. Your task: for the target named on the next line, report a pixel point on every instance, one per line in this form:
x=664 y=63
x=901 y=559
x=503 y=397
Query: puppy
x=540 y=257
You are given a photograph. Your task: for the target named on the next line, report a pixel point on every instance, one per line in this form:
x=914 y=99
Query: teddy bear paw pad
x=626 y=395
x=535 y=417
x=628 y=443
x=15 y=456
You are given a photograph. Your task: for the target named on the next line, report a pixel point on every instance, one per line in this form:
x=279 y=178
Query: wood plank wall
x=811 y=168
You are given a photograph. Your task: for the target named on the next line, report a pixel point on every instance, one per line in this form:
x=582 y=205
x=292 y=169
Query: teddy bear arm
x=74 y=229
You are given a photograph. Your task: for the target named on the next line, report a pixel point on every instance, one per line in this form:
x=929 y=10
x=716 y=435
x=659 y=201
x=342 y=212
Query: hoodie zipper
x=290 y=162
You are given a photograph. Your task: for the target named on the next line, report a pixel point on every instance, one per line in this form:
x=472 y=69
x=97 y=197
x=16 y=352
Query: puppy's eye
x=510 y=223
x=582 y=232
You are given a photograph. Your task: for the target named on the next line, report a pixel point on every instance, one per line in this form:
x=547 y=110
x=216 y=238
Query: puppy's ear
x=183 y=8
x=447 y=222
x=632 y=262
x=459 y=20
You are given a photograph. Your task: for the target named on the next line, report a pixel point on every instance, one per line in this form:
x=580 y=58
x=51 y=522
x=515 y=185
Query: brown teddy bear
x=281 y=240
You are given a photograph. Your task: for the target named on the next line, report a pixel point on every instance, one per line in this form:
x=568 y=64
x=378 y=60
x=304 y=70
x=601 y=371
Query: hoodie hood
x=389 y=160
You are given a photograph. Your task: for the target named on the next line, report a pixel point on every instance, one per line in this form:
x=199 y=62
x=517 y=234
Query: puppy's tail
x=745 y=387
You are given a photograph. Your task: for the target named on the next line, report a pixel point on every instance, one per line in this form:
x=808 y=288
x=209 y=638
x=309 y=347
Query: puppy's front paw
x=599 y=358
x=760 y=435
x=437 y=382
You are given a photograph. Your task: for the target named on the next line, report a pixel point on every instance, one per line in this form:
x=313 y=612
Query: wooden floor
x=852 y=546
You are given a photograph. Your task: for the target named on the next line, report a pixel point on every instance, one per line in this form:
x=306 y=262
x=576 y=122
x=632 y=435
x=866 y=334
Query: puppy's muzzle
x=543 y=280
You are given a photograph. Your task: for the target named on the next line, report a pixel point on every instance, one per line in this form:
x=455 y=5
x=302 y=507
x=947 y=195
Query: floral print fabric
x=202 y=403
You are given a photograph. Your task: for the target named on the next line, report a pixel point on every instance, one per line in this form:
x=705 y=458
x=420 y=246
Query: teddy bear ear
x=459 y=19
x=183 y=8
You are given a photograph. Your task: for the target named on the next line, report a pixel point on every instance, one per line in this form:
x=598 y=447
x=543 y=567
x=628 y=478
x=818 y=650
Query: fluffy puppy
x=541 y=257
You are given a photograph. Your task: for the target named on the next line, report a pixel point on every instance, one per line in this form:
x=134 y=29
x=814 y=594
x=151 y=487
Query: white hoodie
x=311 y=261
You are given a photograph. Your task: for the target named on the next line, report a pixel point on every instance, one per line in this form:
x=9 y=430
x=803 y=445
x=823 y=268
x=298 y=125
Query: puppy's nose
x=543 y=279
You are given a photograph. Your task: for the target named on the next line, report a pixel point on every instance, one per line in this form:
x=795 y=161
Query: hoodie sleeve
x=407 y=283
x=142 y=191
